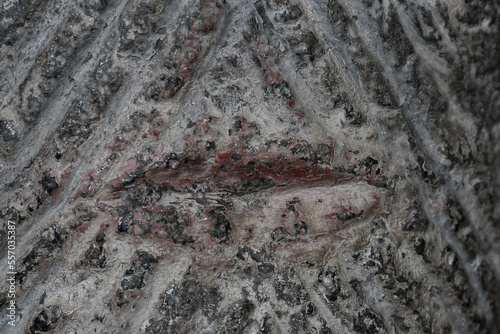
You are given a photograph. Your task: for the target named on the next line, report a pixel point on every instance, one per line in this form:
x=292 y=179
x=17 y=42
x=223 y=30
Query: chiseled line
x=30 y=236
x=437 y=218
x=322 y=308
x=345 y=69
x=471 y=208
x=428 y=142
x=27 y=62
x=337 y=54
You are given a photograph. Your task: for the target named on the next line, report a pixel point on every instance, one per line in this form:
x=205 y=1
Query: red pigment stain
x=341 y=211
x=233 y=169
x=83 y=228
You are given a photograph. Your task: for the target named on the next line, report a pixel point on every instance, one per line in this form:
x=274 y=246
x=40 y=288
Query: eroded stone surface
x=269 y=166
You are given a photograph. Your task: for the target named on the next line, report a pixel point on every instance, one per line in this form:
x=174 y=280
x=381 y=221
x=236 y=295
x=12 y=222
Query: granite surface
x=269 y=166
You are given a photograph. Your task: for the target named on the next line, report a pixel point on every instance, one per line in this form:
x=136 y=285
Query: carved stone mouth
x=249 y=189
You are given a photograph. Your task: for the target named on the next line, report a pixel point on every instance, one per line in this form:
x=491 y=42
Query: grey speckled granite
x=270 y=166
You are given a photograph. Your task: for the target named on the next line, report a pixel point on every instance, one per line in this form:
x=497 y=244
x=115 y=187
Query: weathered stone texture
x=269 y=166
